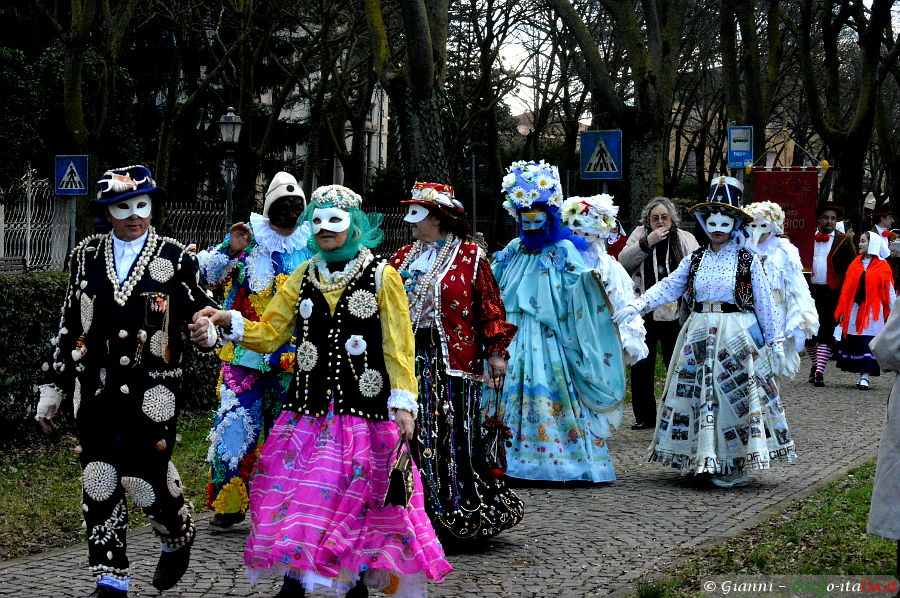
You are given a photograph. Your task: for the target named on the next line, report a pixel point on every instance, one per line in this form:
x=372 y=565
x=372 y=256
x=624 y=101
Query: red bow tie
x=820 y=238
x=886 y=234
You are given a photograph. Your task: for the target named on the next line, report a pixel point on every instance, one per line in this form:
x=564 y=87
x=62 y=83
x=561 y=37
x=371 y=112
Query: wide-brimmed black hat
x=725 y=194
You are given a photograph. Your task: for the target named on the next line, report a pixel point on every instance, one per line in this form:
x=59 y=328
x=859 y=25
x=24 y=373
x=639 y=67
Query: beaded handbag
x=400 y=481
x=495 y=435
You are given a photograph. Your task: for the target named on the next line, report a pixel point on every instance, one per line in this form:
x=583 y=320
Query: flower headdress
x=337 y=196
x=595 y=215
x=767 y=210
x=528 y=183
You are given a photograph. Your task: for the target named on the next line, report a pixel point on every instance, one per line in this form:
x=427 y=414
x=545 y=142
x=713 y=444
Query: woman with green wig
x=319 y=514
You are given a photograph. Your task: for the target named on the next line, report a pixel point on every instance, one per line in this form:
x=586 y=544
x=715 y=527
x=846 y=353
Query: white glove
x=625 y=314
x=777 y=361
x=211 y=335
x=838 y=332
x=48 y=403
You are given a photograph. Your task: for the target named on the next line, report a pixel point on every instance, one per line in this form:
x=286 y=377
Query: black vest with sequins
x=325 y=369
x=743 y=287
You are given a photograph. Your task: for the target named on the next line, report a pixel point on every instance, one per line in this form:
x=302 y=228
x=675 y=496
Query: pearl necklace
x=342 y=282
x=121 y=294
x=424 y=284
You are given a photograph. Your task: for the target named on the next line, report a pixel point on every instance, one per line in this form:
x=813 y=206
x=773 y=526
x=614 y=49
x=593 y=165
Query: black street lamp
x=229 y=133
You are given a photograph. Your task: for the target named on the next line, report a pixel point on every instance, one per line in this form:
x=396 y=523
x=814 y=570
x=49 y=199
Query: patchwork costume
x=252 y=386
x=562 y=397
x=317 y=500
x=721 y=413
x=459 y=321
x=118 y=354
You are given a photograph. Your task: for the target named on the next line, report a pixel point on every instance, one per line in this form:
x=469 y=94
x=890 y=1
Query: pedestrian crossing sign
x=72 y=175
x=601 y=154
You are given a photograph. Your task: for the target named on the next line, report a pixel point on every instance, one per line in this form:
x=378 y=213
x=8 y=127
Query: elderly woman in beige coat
x=654 y=250
x=884 y=514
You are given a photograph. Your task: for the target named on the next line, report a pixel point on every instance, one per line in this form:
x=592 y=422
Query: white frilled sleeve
x=620 y=290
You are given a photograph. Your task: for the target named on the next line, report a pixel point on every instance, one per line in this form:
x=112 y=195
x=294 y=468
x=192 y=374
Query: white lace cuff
x=49 y=401
x=633 y=335
x=402 y=399
x=237 y=327
x=215 y=266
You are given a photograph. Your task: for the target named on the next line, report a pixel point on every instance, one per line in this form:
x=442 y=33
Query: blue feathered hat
x=118 y=184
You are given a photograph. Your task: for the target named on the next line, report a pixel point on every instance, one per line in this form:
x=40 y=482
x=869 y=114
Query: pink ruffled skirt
x=317 y=515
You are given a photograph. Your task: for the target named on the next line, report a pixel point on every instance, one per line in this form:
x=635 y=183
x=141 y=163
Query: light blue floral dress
x=562 y=397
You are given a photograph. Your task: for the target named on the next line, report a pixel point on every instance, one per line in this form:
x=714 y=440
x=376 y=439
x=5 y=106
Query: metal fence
x=34 y=226
x=199 y=222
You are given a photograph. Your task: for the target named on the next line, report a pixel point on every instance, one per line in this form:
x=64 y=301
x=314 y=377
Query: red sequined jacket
x=472 y=316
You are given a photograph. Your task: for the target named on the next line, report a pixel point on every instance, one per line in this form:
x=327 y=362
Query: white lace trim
x=215 y=266
x=402 y=399
x=620 y=290
x=237 y=327
x=267 y=238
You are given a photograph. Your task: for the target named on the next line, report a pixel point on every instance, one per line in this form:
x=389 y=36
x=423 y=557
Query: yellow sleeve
x=396 y=331
x=277 y=323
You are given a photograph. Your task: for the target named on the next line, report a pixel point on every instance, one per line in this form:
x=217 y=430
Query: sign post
x=601 y=154
x=740 y=147
x=71 y=179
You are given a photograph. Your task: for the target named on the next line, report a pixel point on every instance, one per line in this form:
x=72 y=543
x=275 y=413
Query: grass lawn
x=40 y=489
x=823 y=534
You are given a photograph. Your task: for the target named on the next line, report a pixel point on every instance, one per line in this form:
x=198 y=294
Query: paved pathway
x=581 y=541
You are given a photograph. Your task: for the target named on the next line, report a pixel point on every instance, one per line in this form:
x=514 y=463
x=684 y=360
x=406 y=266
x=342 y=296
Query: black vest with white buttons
x=328 y=366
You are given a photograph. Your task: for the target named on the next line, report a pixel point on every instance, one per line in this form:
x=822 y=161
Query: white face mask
x=139 y=204
x=331 y=219
x=719 y=223
x=758 y=229
x=415 y=213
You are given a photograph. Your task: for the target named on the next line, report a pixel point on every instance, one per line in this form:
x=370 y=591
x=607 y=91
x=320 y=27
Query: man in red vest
x=832 y=255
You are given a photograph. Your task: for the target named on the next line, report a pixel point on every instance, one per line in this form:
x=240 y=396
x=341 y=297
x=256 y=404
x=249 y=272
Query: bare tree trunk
x=422 y=137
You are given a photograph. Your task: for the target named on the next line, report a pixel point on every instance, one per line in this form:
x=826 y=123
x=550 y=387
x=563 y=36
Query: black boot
x=812 y=373
x=360 y=590
x=172 y=566
x=292 y=588
x=222 y=522
x=819 y=380
x=106 y=592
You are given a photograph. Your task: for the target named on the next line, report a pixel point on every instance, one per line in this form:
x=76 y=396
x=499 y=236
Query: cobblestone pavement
x=574 y=541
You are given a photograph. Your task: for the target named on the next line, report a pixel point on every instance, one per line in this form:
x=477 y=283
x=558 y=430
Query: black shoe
x=359 y=591
x=292 y=588
x=171 y=567
x=819 y=380
x=641 y=426
x=222 y=522
x=106 y=592
x=812 y=375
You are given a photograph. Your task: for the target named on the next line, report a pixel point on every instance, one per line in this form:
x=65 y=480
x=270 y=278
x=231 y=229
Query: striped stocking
x=823 y=354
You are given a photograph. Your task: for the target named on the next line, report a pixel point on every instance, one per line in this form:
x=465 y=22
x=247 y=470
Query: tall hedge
x=29 y=316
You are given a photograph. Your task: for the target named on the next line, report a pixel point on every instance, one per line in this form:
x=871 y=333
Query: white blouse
x=875 y=325
x=714 y=282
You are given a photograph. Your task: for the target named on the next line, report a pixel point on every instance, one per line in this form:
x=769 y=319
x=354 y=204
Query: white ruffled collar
x=270 y=241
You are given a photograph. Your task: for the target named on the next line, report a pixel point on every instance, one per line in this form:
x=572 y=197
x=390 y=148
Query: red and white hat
x=432 y=195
